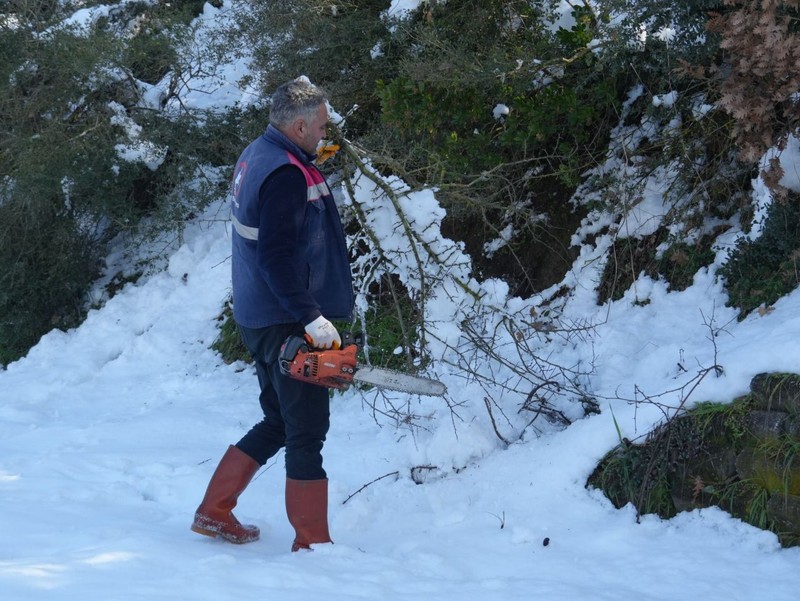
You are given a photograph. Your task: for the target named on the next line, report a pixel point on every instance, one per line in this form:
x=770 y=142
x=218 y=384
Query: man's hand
x=321 y=334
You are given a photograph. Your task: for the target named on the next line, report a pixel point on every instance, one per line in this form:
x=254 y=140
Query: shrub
x=43 y=280
x=61 y=190
x=69 y=100
x=229 y=342
x=759 y=272
x=758 y=79
x=334 y=43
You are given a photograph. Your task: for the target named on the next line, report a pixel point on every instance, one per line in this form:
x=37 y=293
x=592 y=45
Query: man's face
x=310 y=133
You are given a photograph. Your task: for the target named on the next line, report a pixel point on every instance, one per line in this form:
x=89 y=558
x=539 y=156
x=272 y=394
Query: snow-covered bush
x=89 y=148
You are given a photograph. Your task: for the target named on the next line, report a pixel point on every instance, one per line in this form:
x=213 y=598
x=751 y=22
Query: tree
x=84 y=154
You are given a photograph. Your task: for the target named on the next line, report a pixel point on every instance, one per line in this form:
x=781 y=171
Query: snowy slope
x=109 y=433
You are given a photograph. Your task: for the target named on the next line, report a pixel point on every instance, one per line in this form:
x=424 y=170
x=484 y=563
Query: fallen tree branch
x=395 y=473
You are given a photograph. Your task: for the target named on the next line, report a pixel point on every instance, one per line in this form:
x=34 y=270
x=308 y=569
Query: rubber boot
x=213 y=517
x=307 y=509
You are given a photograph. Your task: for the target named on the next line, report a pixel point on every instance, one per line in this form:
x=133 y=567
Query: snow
x=666 y=34
x=666 y=100
x=400 y=8
x=500 y=111
x=110 y=432
x=789 y=160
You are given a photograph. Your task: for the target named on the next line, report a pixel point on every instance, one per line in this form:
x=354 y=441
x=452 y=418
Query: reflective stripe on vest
x=317 y=188
x=245 y=231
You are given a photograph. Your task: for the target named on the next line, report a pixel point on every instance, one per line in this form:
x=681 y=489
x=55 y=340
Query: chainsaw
x=339 y=368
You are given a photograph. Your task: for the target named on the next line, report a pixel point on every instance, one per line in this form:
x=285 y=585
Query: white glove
x=321 y=334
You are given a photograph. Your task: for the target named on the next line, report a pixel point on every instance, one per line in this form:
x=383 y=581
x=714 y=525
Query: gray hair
x=296 y=98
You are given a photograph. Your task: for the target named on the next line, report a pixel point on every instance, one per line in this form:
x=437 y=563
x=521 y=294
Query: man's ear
x=299 y=127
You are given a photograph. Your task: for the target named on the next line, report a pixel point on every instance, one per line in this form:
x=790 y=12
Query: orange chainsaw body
x=329 y=368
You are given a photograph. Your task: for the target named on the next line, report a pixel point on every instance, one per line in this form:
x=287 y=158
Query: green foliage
x=40 y=13
x=229 y=342
x=761 y=271
x=69 y=101
x=706 y=456
x=42 y=281
x=426 y=87
x=215 y=139
x=671 y=53
x=62 y=184
x=783 y=455
x=681 y=261
x=552 y=125
x=151 y=52
x=456 y=63
x=335 y=43
x=631 y=257
x=647 y=474
x=389 y=328
x=723 y=424
x=582 y=33
x=757 y=509
x=633 y=474
x=150 y=56
x=422 y=90
x=462 y=61
x=625 y=21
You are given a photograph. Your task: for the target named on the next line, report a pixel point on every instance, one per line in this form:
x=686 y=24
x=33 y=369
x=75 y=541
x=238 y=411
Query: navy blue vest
x=322 y=282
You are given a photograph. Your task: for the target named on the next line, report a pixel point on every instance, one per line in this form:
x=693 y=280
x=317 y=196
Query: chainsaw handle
x=347 y=339
x=289 y=349
x=310 y=343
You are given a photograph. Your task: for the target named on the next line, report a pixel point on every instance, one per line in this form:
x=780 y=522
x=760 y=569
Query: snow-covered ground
x=109 y=433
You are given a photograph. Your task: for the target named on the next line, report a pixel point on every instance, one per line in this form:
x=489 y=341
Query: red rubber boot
x=214 y=517
x=307 y=509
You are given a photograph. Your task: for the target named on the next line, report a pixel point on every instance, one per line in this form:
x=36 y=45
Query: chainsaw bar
x=395 y=380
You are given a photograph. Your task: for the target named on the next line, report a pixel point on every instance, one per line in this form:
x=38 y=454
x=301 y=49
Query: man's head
x=299 y=109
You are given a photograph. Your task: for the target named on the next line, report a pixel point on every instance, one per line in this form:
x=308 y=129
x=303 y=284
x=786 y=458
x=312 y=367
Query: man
x=291 y=275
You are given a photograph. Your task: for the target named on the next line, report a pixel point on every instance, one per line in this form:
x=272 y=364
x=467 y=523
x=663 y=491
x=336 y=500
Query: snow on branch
x=468 y=330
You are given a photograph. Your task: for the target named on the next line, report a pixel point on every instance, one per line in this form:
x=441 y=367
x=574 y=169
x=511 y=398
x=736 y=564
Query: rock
x=743 y=458
x=784 y=511
x=776 y=392
x=767 y=424
x=793 y=427
x=767 y=472
x=689 y=492
x=696 y=483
